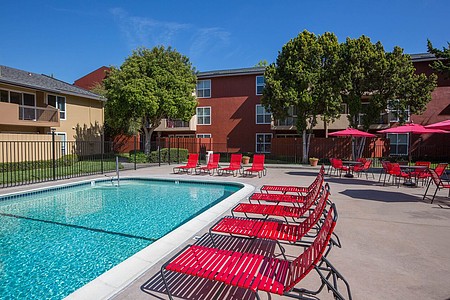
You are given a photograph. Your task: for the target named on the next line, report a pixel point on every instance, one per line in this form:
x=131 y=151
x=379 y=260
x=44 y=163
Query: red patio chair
x=257 y=166
x=397 y=173
x=338 y=166
x=212 y=166
x=421 y=174
x=364 y=168
x=234 y=167
x=191 y=164
x=439 y=184
x=256 y=272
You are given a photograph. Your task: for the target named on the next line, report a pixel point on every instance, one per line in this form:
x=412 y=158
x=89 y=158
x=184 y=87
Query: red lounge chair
x=439 y=185
x=312 y=189
x=397 y=172
x=257 y=166
x=294 y=212
x=211 y=167
x=256 y=272
x=234 y=167
x=272 y=230
x=191 y=164
x=292 y=189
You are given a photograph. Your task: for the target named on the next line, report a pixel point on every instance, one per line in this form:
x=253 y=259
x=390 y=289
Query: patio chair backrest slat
x=214 y=160
x=235 y=160
x=258 y=161
x=440 y=169
x=304 y=263
x=192 y=159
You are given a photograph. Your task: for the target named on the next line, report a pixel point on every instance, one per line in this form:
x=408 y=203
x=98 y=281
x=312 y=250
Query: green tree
x=149 y=86
x=381 y=79
x=262 y=63
x=441 y=65
x=305 y=78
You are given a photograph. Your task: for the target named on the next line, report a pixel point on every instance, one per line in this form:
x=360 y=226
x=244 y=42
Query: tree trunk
x=148 y=138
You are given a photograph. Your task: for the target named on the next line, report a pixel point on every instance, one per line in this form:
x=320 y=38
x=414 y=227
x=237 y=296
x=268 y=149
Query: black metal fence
x=26 y=162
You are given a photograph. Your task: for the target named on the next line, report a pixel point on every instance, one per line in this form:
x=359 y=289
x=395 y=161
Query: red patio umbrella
x=352 y=132
x=411 y=128
x=444 y=125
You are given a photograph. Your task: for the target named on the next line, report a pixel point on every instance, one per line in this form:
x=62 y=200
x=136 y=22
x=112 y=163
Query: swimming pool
x=55 y=241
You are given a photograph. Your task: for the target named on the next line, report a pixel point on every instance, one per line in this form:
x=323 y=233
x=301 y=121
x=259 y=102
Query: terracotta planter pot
x=313 y=161
x=245 y=160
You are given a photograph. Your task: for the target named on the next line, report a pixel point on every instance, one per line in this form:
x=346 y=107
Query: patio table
x=350 y=164
x=409 y=169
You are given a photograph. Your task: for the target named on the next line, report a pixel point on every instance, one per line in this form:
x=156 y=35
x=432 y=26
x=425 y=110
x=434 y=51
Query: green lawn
x=44 y=174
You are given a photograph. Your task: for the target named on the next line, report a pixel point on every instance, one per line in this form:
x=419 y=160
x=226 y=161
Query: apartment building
x=34 y=105
x=229 y=112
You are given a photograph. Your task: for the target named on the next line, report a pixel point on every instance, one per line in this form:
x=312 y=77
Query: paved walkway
x=395 y=246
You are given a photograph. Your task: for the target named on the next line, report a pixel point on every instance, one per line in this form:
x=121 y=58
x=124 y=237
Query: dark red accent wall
x=88 y=81
x=233 y=113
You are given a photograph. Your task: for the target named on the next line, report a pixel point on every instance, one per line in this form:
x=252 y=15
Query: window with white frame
x=58 y=102
x=398 y=143
x=204 y=88
x=395 y=112
x=260 y=83
x=262 y=116
x=263 y=142
x=203 y=115
x=204 y=135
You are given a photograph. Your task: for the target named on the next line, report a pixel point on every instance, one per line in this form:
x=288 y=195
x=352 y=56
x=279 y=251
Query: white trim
x=264 y=115
x=210 y=115
x=256 y=80
x=210 y=88
x=256 y=141
x=57 y=106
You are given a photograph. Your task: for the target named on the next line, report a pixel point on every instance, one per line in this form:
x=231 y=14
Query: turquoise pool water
x=56 y=241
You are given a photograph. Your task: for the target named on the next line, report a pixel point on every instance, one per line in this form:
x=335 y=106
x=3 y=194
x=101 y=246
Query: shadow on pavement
x=383 y=196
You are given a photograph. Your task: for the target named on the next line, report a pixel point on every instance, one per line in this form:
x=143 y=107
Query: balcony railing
x=176 y=124
x=22 y=115
x=38 y=114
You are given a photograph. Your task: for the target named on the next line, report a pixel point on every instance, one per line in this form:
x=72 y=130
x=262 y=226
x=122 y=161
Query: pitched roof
x=43 y=82
x=232 y=72
x=422 y=57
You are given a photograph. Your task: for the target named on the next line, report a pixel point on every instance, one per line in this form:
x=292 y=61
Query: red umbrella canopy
x=412 y=128
x=444 y=125
x=352 y=132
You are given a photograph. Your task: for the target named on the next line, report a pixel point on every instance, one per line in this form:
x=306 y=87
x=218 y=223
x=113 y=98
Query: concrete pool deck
x=394 y=245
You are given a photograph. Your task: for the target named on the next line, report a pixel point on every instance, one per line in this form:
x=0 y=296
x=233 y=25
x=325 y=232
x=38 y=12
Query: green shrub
x=67 y=160
x=174 y=152
x=141 y=157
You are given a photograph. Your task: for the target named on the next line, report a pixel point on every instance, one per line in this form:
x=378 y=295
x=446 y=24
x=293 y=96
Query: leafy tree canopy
x=149 y=86
x=442 y=65
x=305 y=77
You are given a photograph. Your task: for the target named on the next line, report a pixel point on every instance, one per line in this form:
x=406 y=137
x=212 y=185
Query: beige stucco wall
x=84 y=119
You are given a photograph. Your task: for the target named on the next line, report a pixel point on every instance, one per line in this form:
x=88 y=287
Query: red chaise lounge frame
x=256 y=272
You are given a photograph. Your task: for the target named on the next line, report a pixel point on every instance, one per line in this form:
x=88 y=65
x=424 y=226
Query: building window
x=204 y=88
x=4 y=96
x=203 y=115
x=260 y=83
x=262 y=116
x=263 y=142
x=343 y=110
x=398 y=143
x=204 y=136
x=58 y=102
x=395 y=112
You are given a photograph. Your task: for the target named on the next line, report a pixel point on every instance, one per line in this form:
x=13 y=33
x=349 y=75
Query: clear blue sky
x=72 y=38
